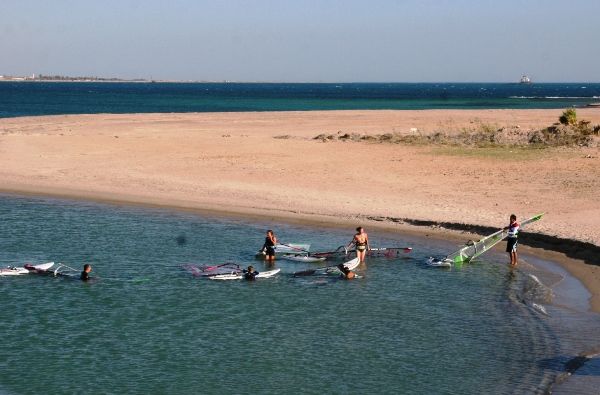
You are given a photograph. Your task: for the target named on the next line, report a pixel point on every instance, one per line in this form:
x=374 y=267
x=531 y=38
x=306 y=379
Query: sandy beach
x=271 y=166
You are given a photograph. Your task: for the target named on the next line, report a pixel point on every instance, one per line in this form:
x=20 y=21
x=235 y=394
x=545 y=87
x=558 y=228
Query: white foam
x=539 y=308
x=537 y=280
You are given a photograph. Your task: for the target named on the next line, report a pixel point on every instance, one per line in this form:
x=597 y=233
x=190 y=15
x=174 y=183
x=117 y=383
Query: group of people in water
x=360 y=241
x=362 y=246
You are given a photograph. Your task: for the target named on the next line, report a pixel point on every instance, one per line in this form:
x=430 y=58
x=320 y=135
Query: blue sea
x=51 y=98
x=147 y=326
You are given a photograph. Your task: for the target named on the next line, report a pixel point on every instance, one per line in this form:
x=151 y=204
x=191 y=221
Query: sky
x=304 y=40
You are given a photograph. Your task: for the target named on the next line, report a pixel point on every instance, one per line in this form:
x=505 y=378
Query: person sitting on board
x=250 y=274
x=269 y=246
x=361 y=240
x=85 y=274
x=345 y=272
x=511 y=241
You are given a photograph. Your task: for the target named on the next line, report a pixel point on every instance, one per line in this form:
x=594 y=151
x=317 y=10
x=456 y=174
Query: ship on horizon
x=525 y=80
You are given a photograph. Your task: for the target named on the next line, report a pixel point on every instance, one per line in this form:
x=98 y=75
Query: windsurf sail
x=475 y=248
x=341 y=251
x=302 y=258
x=207 y=271
x=291 y=248
x=239 y=276
x=387 y=251
x=335 y=269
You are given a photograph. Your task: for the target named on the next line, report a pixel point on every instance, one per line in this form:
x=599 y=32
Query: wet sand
x=269 y=165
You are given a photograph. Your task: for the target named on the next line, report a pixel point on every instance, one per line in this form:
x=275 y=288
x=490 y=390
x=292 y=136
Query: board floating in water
x=436 y=262
x=27 y=269
x=239 y=276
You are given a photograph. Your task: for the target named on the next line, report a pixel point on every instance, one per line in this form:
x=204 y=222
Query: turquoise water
x=402 y=327
x=51 y=98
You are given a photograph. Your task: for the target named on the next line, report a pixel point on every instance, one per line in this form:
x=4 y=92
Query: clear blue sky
x=304 y=41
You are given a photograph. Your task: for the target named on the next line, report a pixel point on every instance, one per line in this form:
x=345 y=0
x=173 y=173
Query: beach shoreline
x=270 y=167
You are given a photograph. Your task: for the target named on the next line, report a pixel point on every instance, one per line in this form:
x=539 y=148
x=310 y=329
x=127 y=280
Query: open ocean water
x=147 y=326
x=52 y=98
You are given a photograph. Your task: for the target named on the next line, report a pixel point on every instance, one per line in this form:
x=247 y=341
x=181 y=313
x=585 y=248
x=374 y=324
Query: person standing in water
x=511 y=244
x=269 y=246
x=361 y=241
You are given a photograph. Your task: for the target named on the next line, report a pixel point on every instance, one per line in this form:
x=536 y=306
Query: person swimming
x=346 y=273
x=85 y=274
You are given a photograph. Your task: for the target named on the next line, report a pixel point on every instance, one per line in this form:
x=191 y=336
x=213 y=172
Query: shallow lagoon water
x=148 y=326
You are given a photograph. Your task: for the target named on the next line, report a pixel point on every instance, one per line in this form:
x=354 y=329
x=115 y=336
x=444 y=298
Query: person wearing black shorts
x=511 y=241
x=269 y=246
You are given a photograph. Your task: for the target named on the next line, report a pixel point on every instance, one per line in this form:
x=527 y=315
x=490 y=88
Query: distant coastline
x=60 y=78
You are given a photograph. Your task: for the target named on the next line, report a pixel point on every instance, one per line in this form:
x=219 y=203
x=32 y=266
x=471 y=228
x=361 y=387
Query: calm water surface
x=146 y=326
x=19 y=99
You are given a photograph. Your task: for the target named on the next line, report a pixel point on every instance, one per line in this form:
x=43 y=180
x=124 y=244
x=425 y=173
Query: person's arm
x=367 y=240
x=352 y=242
x=274 y=240
x=264 y=247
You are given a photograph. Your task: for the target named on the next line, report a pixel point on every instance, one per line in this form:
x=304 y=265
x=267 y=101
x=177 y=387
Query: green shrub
x=568 y=117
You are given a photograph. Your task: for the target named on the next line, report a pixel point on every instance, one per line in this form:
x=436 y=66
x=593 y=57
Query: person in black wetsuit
x=250 y=274
x=85 y=274
x=269 y=246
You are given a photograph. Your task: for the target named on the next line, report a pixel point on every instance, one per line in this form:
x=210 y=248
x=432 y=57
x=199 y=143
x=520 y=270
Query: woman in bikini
x=361 y=240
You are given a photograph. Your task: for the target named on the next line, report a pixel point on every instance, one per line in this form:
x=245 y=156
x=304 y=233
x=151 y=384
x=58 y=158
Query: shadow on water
x=585 y=364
